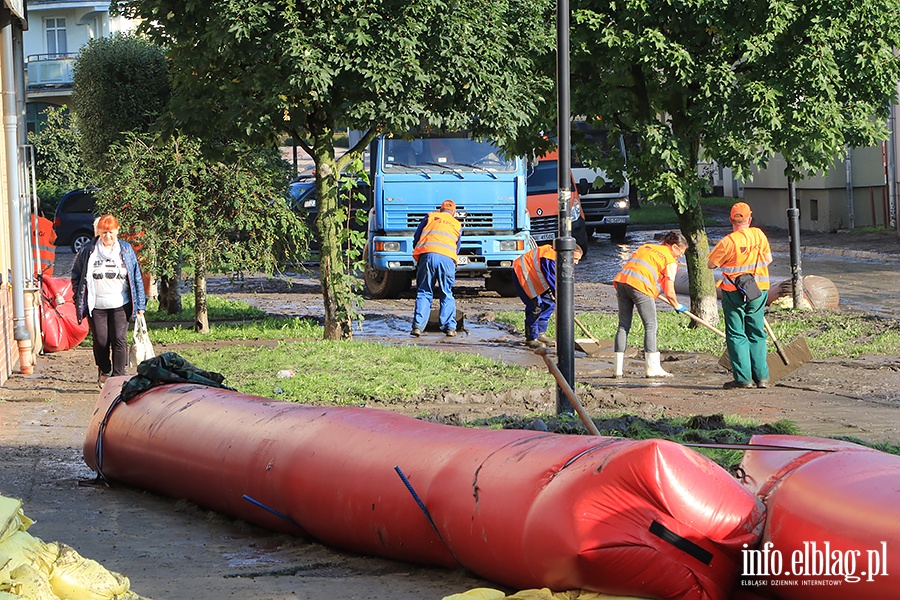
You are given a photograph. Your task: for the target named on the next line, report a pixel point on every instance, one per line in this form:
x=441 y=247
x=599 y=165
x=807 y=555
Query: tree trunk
x=169 y=293
x=337 y=293
x=701 y=282
x=201 y=308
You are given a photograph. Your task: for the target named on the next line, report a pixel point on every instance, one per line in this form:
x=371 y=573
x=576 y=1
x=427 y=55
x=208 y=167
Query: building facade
x=17 y=292
x=57 y=29
x=859 y=190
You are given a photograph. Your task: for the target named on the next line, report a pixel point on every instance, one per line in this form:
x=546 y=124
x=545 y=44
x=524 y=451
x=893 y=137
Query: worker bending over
x=436 y=246
x=536 y=284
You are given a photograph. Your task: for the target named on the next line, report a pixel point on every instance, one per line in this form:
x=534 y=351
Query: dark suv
x=74 y=220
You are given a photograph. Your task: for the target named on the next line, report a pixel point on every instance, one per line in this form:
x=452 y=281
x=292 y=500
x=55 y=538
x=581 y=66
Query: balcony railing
x=50 y=70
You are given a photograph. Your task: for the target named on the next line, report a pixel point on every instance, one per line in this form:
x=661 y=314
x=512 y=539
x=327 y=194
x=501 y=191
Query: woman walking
x=649 y=273
x=109 y=292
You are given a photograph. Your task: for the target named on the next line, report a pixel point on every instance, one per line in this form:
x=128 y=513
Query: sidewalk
x=883 y=245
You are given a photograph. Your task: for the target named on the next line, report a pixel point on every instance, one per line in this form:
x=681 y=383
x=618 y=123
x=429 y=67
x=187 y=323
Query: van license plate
x=612 y=220
x=462 y=260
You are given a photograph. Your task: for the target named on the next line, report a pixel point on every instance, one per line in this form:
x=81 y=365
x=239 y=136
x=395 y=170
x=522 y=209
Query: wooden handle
x=585 y=330
x=778 y=347
x=568 y=391
x=718 y=332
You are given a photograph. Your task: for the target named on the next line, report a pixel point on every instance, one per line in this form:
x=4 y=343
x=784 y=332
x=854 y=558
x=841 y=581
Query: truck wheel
x=502 y=283
x=617 y=234
x=582 y=238
x=386 y=284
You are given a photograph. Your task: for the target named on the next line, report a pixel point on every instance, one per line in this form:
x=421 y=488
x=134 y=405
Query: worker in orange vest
x=744 y=251
x=45 y=252
x=436 y=245
x=535 y=283
x=134 y=240
x=647 y=275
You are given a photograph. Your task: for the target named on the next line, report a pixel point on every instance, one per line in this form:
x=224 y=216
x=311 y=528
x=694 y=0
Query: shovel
x=785 y=360
x=568 y=392
x=706 y=324
x=592 y=346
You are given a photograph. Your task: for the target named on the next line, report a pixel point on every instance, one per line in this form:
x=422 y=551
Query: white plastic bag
x=141 y=347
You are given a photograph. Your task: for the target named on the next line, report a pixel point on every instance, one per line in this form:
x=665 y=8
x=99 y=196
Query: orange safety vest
x=742 y=252
x=440 y=235
x=45 y=252
x=646 y=269
x=528 y=270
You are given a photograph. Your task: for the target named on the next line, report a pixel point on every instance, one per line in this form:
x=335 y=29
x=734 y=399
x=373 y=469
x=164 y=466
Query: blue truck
x=410 y=177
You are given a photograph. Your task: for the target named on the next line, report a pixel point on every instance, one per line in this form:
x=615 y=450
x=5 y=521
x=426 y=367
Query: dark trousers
x=109 y=330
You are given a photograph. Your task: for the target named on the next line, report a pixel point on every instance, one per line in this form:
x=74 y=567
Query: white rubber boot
x=620 y=364
x=653 y=368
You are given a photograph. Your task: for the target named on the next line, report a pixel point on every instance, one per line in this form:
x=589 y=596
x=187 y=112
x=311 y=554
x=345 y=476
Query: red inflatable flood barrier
x=60 y=328
x=522 y=508
x=833 y=519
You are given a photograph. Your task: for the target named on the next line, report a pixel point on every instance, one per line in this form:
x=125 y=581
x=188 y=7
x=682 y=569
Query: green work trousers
x=745 y=336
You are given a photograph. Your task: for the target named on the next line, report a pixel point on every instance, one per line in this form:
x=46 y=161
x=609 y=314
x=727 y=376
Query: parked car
x=543 y=203
x=74 y=219
x=303 y=201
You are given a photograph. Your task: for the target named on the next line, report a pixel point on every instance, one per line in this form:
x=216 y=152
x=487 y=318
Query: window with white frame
x=56 y=36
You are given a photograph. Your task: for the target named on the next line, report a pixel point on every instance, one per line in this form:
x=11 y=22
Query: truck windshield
x=438 y=154
x=544 y=179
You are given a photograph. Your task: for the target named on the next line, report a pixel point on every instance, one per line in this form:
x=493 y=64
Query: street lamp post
x=564 y=243
x=793 y=216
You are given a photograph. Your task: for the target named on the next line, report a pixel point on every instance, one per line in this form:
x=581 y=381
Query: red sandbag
x=60 y=329
x=523 y=508
x=833 y=519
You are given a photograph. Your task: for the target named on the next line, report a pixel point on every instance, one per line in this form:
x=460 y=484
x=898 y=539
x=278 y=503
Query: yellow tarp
x=31 y=569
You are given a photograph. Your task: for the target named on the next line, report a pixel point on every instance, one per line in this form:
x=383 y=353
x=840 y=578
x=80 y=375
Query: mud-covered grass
x=839 y=334
x=699 y=429
x=696 y=431
x=828 y=333
x=219 y=309
x=357 y=373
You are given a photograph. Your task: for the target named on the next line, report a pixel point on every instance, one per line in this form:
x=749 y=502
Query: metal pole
x=793 y=216
x=851 y=209
x=891 y=178
x=564 y=243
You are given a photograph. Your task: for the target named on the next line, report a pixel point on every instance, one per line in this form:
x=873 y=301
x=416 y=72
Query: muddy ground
x=171 y=549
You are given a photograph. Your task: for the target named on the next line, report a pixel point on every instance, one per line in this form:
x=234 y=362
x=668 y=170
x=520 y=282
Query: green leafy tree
x=58 y=166
x=190 y=211
x=121 y=84
x=210 y=216
x=735 y=82
x=260 y=70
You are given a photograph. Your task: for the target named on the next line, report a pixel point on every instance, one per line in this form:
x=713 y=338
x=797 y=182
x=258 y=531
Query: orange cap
x=740 y=212
x=449 y=206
